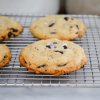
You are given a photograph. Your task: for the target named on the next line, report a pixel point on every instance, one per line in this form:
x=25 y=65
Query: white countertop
x=49 y=93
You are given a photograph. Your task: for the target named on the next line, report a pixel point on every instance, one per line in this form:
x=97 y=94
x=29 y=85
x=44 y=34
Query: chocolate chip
x=14 y=30
x=66 y=18
x=59 y=51
x=41 y=66
x=53 y=32
x=3 y=38
x=71 y=26
x=48 y=46
x=65 y=47
x=10 y=34
x=36 y=48
x=61 y=65
x=25 y=62
x=5 y=56
x=76 y=32
x=54 y=42
x=77 y=27
x=51 y=25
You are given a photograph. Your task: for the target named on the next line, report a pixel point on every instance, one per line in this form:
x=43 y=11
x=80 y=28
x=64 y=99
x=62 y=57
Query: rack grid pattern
x=89 y=76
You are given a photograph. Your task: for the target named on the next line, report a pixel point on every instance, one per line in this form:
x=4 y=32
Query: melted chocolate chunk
x=61 y=65
x=66 y=18
x=10 y=34
x=51 y=25
x=59 y=51
x=65 y=47
x=48 y=46
x=14 y=30
x=41 y=66
x=77 y=27
x=53 y=32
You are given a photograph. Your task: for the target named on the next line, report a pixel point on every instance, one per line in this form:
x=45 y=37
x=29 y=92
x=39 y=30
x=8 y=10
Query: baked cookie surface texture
x=53 y=57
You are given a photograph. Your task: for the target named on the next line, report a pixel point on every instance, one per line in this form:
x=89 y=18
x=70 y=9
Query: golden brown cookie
x=53 y=56
x=9 y=28
x=5 y=55
x=58 y=26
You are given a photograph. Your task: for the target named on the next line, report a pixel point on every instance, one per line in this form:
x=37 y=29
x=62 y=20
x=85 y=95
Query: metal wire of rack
x=89 y=76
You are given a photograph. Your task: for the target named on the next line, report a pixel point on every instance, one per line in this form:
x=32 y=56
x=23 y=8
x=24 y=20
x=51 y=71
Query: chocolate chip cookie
x=5 y=55
x=9 y=28
x=58 y=26
x=53 y=56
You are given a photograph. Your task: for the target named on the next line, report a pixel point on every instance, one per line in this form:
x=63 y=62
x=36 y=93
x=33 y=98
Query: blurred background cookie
x=58 y=26
x=5 y=55
x=9 y=28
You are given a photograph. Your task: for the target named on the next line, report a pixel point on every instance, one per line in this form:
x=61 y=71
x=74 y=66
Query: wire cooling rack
x=89 y=76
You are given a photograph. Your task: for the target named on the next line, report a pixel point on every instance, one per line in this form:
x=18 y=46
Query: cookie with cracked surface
x=53 y=56
x=5 y=55
x=9 y=28
x=58 y=26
